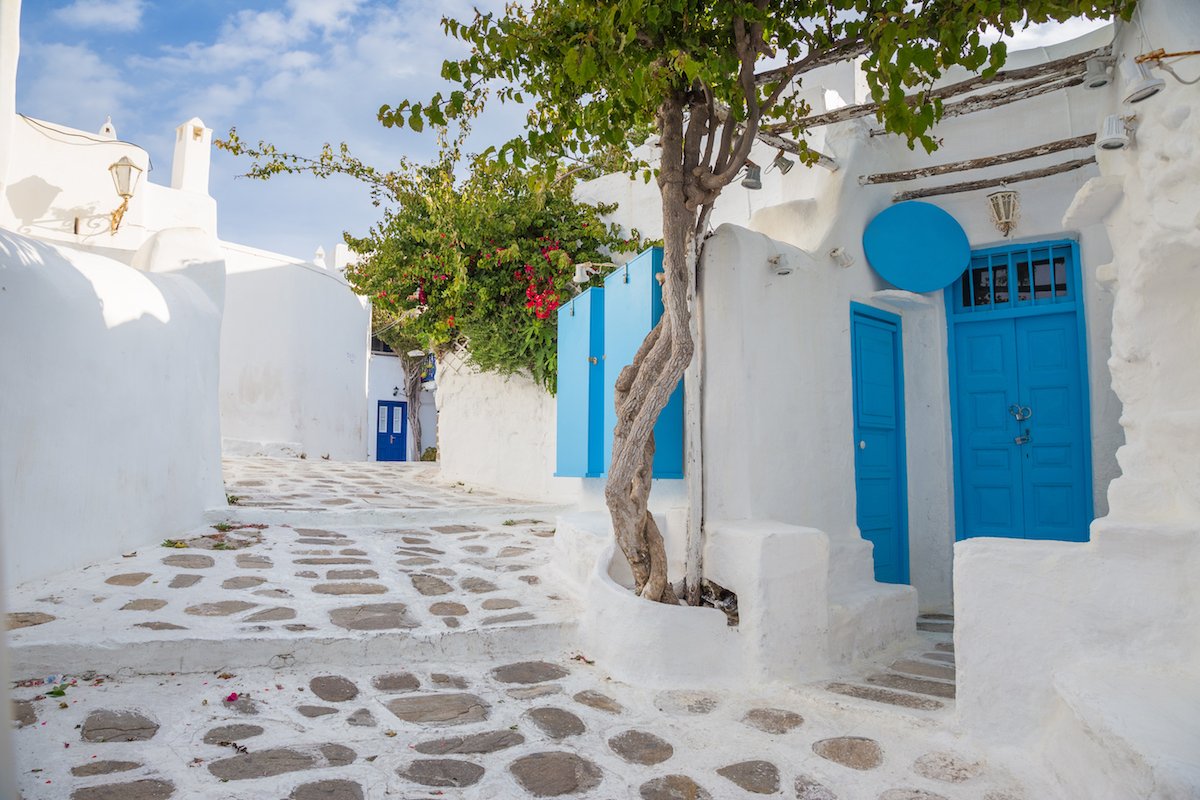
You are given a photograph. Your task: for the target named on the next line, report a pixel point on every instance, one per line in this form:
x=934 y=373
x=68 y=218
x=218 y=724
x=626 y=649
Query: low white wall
x=385 y=375
x=109 y=433
x=498 y=432
x=294 y=349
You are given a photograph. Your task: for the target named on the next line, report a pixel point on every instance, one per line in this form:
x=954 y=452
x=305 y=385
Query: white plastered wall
x=294 y=346
x=108 y=418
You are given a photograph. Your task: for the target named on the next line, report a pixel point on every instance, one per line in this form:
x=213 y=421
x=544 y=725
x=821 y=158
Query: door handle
x=1025 y=438
x=593 y=360
x=391 y=440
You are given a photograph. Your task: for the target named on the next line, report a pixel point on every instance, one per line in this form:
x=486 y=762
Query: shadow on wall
x=109 y=435
x=294 y=353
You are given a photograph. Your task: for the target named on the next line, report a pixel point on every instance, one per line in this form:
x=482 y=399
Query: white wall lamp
x=1114 y=133
x=783 y=163
x=1097 y=73
x=1005 y=209
x=841 y=257
x=125 y=176
x=779 y=264
x=584 y=270
x=753 y=178
x=1139 y=83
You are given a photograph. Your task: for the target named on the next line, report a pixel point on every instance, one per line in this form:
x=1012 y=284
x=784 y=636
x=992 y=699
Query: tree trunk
x=412 y=390
x=644 y=387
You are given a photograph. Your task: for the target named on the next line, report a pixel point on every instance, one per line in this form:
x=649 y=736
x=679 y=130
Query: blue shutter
x=580 y=386
x=632 y=306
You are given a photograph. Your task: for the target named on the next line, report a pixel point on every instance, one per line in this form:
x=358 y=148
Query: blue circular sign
x=916 y=246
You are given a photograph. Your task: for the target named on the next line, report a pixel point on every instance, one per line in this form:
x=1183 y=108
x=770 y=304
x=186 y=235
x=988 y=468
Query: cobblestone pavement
x=323 y=658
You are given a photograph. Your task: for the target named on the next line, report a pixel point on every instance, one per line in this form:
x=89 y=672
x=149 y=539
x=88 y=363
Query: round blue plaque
x=916 y=246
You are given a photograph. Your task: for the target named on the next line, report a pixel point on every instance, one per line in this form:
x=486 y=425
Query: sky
x=296 y=73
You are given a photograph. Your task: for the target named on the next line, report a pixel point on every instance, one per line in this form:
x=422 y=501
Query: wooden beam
x=1052 y=69
x=979 y=163
x=987 y=183
x=779 y=142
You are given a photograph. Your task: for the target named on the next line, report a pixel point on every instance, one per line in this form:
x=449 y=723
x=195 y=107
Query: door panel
x=391 y=431
x=1048 y=377
x=989 y=464
x=1022 y=478
x=879 y=440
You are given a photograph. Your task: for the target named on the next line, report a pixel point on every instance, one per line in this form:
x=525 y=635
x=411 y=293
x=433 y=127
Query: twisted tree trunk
x=412 y=391
x=644 y=387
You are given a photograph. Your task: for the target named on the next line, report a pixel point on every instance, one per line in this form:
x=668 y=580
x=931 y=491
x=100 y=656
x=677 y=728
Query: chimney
x=193 y=151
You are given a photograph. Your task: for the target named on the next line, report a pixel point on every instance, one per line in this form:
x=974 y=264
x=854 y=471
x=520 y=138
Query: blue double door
x=391 y=431
x=1022 y=430
x=879 y=453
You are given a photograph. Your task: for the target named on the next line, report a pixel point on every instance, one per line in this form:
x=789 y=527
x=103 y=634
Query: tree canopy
x=487 y=256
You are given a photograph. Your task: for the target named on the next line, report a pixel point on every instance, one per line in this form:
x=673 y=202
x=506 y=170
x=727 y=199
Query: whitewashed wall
x=384 y=376
x=294 y=347
x=1094 y=649
x=108 y=418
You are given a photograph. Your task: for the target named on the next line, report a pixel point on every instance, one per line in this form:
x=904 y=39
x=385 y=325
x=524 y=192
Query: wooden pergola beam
x=988 y=183
x=1087 y=140
x=1052 y=69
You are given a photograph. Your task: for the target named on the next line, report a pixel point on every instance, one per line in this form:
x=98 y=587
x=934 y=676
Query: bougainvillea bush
x=468 y=247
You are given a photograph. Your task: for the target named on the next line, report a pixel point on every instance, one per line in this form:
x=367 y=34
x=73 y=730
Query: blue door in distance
x=879 y=461
x=1018 y=387
x=391 y=431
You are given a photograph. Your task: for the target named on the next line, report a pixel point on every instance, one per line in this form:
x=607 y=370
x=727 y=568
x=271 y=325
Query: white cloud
x=73 y=85
x=119 y=15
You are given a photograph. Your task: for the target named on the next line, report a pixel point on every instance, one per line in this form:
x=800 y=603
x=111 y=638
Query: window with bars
x=1017 y=277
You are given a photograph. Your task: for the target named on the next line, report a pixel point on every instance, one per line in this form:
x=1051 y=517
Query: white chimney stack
x=193 y=154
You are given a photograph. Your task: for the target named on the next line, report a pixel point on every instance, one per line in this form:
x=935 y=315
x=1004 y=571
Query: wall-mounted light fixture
x=841 y=257
x=125 y=176
x=395 y=391
x=584 y=270
x=1097 y=73
x=1005 y=209
x=1114 y=132
x=783 y=163
x=779 y=264
x=753 y=178
x=1139 y=83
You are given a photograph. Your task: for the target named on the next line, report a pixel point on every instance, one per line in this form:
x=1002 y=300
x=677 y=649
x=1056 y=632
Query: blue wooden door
x=879 y=461
x=391 y=431
x=1021 y=429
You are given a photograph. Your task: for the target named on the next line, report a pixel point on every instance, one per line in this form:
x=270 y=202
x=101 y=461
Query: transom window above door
x=1016 y=277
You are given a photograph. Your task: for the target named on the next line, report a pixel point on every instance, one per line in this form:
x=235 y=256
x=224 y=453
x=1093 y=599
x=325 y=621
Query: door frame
x=859 y=309
x=1075 y=304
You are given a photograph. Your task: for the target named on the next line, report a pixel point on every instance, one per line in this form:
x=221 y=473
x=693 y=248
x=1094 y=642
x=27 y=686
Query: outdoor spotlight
x=395 y=391
x=125 y=176
x=783 y=163
x=584 y=270
x=1139 y=83
x=1097 y=73
x=841 y=257
x=1113 y=134
x=753 y=179
x=779 y=264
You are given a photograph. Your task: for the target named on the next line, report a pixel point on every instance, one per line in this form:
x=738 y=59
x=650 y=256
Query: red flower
x=232 y=698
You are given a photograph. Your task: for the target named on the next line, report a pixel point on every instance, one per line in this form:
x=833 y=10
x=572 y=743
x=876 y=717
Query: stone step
x=945 y=647
x=880 y=695
x=948 y=658
x=916 y=685
x=923 y=669
x=935 y=627
x=949 y=617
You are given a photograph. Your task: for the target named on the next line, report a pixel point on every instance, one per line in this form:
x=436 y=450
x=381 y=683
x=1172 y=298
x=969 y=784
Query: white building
x=1016 y=442
x=128 y=341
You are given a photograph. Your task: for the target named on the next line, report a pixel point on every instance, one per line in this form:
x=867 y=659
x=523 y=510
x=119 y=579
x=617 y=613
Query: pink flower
x=232 y=698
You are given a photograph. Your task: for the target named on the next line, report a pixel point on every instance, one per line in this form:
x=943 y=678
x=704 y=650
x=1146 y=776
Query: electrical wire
x=89 y=141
